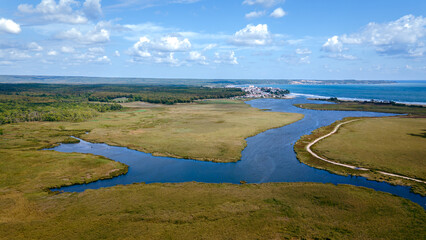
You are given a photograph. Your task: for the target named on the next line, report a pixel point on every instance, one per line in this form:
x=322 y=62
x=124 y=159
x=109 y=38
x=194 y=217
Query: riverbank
x=368 y=150
x=187 y=210
x=415 y=110
x=211 y=130
x=212 y=211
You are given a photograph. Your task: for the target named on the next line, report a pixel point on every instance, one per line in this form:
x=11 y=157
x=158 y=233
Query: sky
x=215 y=39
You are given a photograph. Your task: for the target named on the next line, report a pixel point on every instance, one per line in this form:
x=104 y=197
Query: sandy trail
x=308 y=148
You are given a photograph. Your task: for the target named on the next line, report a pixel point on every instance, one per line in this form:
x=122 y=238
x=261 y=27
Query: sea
x=409 y=92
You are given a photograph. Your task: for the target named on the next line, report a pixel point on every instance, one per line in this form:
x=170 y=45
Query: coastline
x=347 y=99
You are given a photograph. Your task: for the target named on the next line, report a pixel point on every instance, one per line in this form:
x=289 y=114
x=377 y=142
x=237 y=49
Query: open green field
x=394 y=144
x=367 y=106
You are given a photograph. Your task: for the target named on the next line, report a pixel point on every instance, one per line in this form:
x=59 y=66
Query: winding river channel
x=268 y=157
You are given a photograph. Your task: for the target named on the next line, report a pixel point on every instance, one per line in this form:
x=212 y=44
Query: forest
x=66 y=102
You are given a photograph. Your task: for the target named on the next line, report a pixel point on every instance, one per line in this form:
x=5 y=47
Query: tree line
x=66 y=102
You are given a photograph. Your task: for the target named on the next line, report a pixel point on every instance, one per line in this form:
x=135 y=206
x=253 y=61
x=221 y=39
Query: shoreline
x=347 y=99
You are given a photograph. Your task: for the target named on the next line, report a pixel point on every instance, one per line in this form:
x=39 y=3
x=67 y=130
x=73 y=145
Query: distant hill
x=175 y=81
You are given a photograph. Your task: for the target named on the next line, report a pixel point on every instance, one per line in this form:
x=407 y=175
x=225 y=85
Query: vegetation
x=212 y=131
x=178 y=211
x=379 y=144
x=215 y=211
x=107 y=93
x=19 y=111
x=59 y=102
x=370 y=106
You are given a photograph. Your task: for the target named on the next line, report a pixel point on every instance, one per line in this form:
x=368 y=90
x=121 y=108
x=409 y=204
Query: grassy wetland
x=393 y=144
x=414 y=110
x=183 y=210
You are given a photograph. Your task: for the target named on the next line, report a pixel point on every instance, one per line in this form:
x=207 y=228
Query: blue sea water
x=402 y=91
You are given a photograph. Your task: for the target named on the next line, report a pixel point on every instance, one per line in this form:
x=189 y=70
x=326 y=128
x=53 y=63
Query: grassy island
x=209 y=130
x=387 y=107
x=392 y=144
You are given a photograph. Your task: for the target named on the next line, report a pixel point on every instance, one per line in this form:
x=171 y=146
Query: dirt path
x=308 y=148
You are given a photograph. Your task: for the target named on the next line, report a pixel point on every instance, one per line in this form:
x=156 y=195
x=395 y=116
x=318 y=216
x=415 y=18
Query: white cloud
x=209 y=46
x=255 y=14
x=300 y=56
x=139 y=4
x=92 y=9
x=117 y=53
x=103 y=59
x=278 y=13
x=52 y=53
x=63 y=11
x=405 y=36
x=341 y=56
x=66 y=49
x=228 y=58
x=167 y=58
x=252 y=35
x=164 y=44
x=33 y=46
x=96 y=35
x=13 y=55
x=303 y=51
x=265 y=3
x=96 y=50
x=333 y=45
x=195 y=56
x=160 y=50
x=9 y=26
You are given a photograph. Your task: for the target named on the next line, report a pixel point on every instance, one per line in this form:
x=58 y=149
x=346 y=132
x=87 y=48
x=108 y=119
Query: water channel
x=268 y=157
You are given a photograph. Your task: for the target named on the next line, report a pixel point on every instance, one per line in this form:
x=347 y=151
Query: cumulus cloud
x=255 y=14
x=404 y=36
x=265 y=3
x=333 y=44
x=252 y=35
x=92 y=9
x=195 y=56
x=9 y=26
x=161 y=50
x=117 y=53
x=164 y=44
x=94 y=36
x=226 y=57
x=63 y=11
x=278 y=13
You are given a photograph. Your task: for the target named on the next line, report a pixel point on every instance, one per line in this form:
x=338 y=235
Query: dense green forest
x=64 y=102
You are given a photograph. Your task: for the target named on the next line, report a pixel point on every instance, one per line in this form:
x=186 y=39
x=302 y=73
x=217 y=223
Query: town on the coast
x=263 y=92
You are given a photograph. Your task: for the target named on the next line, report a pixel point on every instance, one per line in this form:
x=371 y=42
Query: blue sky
x=246 y=39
